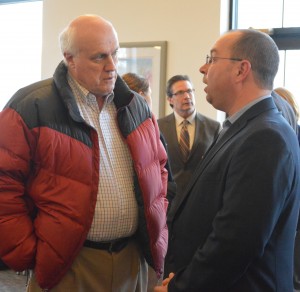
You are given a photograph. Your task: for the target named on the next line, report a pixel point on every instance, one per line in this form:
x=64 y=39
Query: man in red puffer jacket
x=82 y=177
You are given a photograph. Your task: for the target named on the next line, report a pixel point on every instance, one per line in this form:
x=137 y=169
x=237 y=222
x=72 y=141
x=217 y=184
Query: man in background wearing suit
x=201 y=130
x=233 y=229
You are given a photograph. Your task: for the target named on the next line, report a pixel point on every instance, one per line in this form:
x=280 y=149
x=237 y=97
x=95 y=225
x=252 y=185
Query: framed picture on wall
x=147 y=59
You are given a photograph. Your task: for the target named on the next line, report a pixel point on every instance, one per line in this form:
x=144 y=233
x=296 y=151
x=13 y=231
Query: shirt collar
x=179 y=119
x=235 y=116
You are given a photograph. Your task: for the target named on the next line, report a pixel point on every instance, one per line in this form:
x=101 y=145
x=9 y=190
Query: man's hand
x=164 y=286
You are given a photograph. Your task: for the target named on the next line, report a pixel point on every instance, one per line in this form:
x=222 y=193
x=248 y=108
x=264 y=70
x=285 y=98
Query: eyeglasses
x=181 y=93
x=210 y=59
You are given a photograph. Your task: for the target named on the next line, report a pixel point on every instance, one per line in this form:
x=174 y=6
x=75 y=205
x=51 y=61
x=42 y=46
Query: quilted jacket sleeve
x=17 y=248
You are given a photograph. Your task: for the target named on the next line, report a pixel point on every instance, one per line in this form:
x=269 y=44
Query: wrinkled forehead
x=104 y=41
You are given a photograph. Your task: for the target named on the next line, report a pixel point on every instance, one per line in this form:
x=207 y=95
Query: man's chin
x=109 y=92
x=108 y=89
x=103 y=93
x=208 y=99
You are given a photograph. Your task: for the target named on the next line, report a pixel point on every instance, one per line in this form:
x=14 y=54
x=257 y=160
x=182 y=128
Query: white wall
x=190 y=27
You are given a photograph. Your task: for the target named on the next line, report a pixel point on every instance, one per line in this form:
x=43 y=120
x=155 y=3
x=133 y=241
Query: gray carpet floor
x=10 y=281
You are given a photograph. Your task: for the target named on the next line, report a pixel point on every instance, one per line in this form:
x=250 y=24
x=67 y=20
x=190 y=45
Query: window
x=280 y=18
x=21 y=46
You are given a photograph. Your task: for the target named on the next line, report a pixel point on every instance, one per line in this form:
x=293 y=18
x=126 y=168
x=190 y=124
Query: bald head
x=82 y=31
x=89 y=22
x=90 y=45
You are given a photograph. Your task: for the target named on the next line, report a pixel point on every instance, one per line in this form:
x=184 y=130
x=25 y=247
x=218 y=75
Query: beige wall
x=190 y=27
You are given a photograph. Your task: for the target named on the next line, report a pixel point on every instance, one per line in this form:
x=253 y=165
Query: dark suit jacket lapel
x=241 y=123
x=173 y=133
x=198 y=135
x=172 y=125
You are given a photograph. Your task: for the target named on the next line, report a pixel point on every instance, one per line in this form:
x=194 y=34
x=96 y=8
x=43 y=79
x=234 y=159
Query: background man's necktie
x=184 y=140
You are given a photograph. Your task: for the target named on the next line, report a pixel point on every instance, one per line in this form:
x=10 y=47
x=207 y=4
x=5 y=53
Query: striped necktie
x=184 y=140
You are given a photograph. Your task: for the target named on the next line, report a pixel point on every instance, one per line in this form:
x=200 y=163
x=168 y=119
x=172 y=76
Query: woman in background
x=289 y=97
x=141 y=85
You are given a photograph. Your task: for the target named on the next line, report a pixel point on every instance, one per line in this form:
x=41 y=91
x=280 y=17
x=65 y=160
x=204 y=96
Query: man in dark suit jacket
x=233 y=229
x=202 y=129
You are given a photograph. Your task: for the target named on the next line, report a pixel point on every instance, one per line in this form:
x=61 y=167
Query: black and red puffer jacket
x=49 y=172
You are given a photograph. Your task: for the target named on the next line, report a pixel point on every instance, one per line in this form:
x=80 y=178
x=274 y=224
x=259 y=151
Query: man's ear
x=70 y=60
x=243 y=69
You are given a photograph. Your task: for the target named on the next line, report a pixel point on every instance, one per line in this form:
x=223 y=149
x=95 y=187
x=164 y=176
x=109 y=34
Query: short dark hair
x=173 y=80
x=261 y=51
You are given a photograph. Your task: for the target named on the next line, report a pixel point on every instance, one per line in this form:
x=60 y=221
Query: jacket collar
x=122 y=94
x=65 y=91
